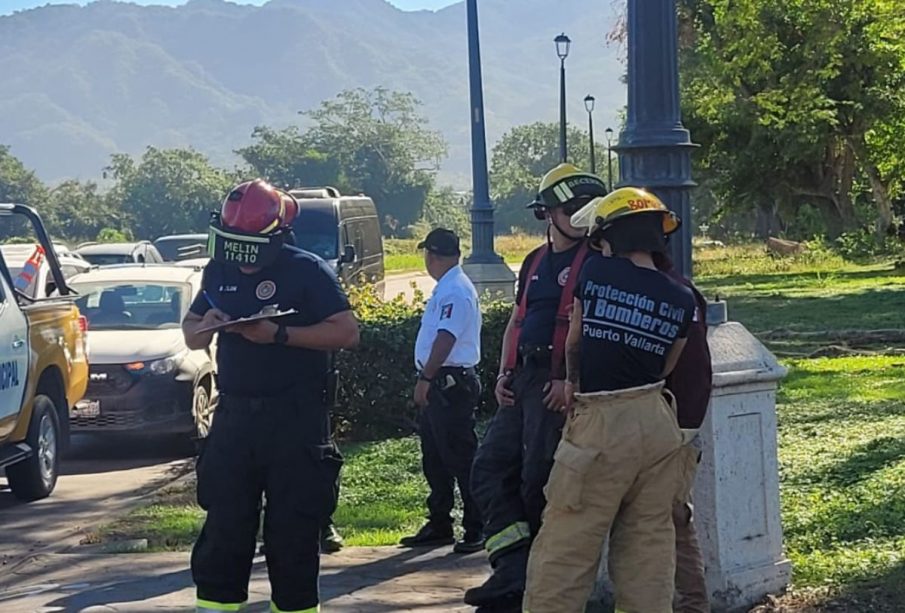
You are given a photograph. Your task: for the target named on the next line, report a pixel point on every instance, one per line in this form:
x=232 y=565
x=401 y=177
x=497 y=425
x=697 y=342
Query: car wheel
x=36 y=476
x=202 y=410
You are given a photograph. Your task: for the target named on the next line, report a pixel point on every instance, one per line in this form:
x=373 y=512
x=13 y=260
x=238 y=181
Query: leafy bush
x=377 y=379
x=862 y=244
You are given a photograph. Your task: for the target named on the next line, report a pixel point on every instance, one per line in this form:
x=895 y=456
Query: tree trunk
x=877 y=187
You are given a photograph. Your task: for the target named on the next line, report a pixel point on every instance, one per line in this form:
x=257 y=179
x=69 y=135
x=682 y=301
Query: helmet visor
x=586 y=216
x=241 y=249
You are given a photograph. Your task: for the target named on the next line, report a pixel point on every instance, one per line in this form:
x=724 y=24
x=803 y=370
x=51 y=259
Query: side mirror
x=349 y=255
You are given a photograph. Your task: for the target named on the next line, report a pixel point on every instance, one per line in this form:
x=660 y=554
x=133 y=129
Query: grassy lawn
x=402 y=255
x=841 y=432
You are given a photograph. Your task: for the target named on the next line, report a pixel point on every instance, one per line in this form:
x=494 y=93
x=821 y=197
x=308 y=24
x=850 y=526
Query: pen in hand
x=210 y=300
x=222 y=314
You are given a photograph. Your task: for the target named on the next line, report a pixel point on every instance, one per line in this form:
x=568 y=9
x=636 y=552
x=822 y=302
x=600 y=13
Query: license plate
x=87 y=408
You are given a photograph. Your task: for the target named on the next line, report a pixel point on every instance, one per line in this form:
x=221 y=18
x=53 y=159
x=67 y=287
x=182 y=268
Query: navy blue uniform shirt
x=630 y=319
x=544 y=294
x=297 y=280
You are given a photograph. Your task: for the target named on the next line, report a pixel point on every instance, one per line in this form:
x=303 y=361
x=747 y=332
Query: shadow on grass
x=837 y=411
x=799 y=279
x=864 y=462
x=882 y=593
x=872 y=309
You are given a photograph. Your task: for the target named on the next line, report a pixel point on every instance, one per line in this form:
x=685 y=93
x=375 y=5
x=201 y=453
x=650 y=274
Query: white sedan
x=143 y=378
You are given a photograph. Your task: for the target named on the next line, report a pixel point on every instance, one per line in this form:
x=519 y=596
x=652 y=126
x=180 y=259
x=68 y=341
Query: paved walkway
x=357 y=580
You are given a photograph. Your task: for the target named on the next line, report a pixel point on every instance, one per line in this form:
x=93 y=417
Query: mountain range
x=80 y=83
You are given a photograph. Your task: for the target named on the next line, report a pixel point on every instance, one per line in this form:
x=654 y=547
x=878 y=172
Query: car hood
x=125 y=346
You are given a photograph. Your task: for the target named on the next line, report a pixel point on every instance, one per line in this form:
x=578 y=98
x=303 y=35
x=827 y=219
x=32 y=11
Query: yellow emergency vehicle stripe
x=276 y=609
x=510 y=535
x=203 y=606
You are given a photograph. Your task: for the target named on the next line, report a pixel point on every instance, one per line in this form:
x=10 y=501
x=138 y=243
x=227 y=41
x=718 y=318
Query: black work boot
x=430 y=536
x=505 y=586
x=472 y=542
x=331 y=540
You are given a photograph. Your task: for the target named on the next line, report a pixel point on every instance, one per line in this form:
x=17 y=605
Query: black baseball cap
x=442 y=242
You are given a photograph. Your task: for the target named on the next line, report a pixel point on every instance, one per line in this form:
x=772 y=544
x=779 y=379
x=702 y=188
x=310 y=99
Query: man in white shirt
x=447 y=350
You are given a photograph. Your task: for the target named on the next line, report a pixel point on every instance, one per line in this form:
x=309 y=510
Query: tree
x=287 y=159
x=383 y=146
x=792 y=101
x=79 y=212
x=446 y=208
x=520 y=160
x=22 y=186
x=168 y=191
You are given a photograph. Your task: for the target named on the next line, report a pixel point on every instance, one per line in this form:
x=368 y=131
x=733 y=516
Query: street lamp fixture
x=563 y=43
x=589 y=106
x=609 y=156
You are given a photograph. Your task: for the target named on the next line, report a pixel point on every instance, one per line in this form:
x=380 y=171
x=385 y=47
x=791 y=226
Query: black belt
x=461 y=371
x=535 y=355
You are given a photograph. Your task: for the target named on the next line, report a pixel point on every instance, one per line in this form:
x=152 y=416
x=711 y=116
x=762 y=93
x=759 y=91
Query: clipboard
x=271 y=314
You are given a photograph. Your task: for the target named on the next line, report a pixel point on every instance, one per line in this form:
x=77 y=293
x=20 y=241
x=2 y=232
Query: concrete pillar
x=737 y=486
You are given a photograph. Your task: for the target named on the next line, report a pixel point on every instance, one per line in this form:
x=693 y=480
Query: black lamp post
x=609 y=156
x=481 y=211
x=484 y=266
x=563 y=43
x=589 y=106
x=655 y=148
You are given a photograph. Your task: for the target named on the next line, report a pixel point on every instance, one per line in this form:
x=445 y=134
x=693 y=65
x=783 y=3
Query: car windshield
x=106 y=259
x=316 y=231
x=125 y=305
x=177 y=249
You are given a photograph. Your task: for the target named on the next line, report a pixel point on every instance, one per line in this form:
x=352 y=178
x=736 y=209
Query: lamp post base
x=493 y=280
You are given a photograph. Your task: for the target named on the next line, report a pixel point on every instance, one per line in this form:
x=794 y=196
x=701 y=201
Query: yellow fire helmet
x=600 y=213
x=566 y=183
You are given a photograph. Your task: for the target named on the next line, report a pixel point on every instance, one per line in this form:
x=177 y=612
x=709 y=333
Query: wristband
x=423 y=377
x=501 y=376
x=281 y=336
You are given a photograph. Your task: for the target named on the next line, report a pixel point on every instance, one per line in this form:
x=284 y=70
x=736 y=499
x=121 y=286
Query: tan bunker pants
x=618 y=470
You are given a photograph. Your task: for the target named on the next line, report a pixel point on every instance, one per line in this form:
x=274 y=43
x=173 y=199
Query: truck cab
x=43 y=372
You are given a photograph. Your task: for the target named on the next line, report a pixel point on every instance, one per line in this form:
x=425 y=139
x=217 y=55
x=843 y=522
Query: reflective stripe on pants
x=276 y=609
x=509 y=536
x=209 y=606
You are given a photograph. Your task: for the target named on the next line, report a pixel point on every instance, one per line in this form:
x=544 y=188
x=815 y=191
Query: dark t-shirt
x=631 y=318
x=298 y=280
x=544 y=294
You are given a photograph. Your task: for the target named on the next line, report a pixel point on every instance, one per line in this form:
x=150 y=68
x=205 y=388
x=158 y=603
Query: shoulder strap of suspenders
x=512 y=355
x=561 y=330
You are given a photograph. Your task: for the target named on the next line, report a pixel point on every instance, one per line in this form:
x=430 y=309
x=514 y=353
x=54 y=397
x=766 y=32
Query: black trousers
x=448 y=444
x=280 y=448
x=513 y=463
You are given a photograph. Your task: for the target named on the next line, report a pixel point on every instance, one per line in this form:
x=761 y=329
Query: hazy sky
x=8 y=6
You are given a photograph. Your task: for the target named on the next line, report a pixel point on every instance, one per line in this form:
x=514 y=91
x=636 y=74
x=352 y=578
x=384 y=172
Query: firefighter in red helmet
x=271 y=432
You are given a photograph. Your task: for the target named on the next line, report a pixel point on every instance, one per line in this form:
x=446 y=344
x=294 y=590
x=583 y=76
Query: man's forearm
x=573 y=362
x=504 y=352
x=329 y=335
x=194 y=340
x=442 y=347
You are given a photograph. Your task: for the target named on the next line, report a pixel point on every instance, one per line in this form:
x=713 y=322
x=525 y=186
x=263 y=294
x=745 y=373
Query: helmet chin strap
x=567 y=235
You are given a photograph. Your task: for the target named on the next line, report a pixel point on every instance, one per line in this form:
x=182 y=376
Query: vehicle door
x=13 y=358
x=373 y=261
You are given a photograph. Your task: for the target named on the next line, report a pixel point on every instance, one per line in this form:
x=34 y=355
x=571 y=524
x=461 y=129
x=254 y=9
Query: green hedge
x=377 y=379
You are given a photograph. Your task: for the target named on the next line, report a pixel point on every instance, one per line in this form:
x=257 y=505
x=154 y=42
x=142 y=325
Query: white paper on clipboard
x=267 y=314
